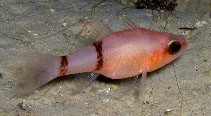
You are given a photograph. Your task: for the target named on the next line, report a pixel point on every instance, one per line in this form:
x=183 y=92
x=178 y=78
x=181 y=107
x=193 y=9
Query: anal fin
x=82 y=80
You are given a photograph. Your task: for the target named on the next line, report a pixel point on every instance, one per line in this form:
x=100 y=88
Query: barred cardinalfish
x=116 y=55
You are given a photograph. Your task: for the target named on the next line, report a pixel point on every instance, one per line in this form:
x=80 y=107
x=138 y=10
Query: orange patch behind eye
x=154 y=60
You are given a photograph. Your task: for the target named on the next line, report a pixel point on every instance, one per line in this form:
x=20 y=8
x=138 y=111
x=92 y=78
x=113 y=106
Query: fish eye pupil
x=174 y=47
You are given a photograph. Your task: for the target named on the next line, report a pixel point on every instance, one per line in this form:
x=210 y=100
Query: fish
x=116 y=55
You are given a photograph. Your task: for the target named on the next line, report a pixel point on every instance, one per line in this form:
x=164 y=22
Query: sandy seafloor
x=182 y=88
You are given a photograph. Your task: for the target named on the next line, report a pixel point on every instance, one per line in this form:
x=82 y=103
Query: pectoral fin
x=127 y=85
x=141 y=85
x=137 y=83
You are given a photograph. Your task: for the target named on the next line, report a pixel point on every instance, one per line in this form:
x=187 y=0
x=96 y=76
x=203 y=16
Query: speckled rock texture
x=182 y=88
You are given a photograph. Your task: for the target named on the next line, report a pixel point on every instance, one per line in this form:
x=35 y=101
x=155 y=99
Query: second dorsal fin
x=128 y=24
x=99 y=29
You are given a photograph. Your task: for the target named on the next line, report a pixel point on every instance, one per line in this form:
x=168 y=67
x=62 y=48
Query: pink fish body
x=116 y=55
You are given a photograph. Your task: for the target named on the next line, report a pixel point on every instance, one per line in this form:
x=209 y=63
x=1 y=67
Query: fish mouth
x=184 y=44
x=183 y=47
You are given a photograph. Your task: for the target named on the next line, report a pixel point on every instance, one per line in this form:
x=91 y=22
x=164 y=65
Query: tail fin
x=32 y=71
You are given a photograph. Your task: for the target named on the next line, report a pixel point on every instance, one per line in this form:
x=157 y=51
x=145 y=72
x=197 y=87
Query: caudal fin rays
x=32 y=71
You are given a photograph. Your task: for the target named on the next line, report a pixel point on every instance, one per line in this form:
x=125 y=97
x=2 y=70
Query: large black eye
x=174 y=47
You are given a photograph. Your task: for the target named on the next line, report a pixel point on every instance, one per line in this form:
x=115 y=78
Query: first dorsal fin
x=99 y=29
